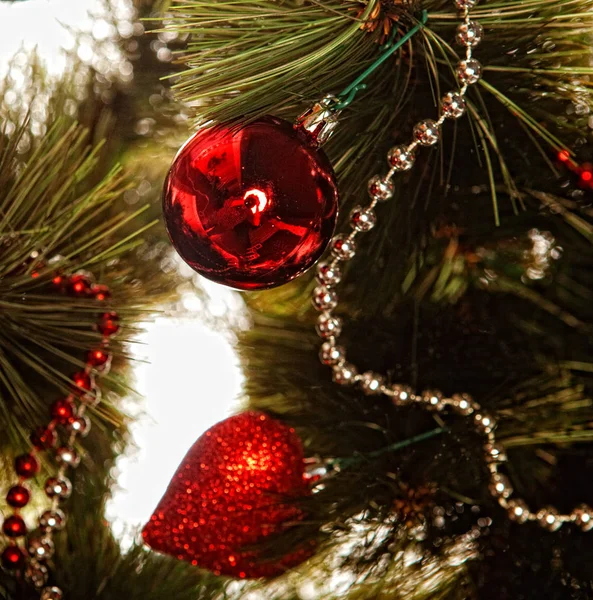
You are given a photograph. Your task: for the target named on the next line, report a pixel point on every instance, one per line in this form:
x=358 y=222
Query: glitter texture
x=232 y=489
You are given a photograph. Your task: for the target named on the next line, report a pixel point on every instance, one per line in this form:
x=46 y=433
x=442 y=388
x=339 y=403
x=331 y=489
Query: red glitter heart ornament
x=234 y=488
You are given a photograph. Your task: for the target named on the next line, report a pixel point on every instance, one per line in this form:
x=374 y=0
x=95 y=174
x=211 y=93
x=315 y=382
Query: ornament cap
x=320 y=121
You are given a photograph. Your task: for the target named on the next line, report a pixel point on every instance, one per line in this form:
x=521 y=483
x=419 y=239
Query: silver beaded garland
x=401 y=158
x=51 y=593
x=381 y=189
x=362 y=219
x=67 y=456
x=53 y=519
x=36 y=573
x=453 y=105
x=41 y=548
x=343 y=248
x=469 y=34
x=329 y=273
x=469 y=71
x=328 y=325
x=58 y=487
x=426 y=133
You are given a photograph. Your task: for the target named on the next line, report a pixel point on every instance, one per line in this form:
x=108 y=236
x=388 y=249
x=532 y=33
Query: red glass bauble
x=14 y=526
x=79 y=285
x=18 y=496
x=101 y=292
x=13 y=558
x=233 y=488
x=99 y=359
x=26 y=465
x=250 y=207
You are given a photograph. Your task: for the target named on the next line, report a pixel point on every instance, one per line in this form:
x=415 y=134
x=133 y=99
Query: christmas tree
x=416 y=415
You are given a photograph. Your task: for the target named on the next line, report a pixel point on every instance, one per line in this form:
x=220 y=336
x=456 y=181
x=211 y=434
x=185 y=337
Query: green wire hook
x=347 y=95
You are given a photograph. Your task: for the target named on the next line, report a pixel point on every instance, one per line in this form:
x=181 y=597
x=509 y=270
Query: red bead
x=79 y=285
x=58 y=280
x=250 y=207
x=62 y=410
x=13 y=558
x=43 y=438
x=101 y=292
x=83 y=381
x=18 y=496
x=233 y=489
x=98 y=358
x=14 y=526
x=26 y=465
x=108 y=323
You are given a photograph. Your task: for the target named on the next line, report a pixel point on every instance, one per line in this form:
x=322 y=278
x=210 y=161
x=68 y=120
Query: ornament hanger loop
x=346 y=96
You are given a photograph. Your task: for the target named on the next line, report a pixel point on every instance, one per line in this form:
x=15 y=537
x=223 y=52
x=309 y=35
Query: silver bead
x=58 y=487
x=500 y=486
x=584 y=517
x=41 y=548
x=371 y=383
x=80 y=425
x=469 y=71
x=329 y=326
x=433 y=398
x=469 y=34
x=462 y=404
x=400 y=158
x=324 y=298
x=402 y=394
x=463 y=4
x=453 y=105
x=380 y=189
x=51 y=593
x=518 y=511
x=328 y=274
x=36 y=573
x=495 y=453
x=52 y=520
x=344 y=374
x=362 y=219
x=484 y=422
x=548 y=518
x=330 y=354
x=342 y=247
x=67 y=456
x=426 y=132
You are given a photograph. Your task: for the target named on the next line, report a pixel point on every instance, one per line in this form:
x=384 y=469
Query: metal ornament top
x=343 y=248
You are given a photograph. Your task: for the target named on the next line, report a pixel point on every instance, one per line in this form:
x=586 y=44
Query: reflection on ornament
x=238 y=484
x=251 y=208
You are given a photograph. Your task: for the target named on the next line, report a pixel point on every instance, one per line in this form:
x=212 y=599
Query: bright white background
x=186 y=372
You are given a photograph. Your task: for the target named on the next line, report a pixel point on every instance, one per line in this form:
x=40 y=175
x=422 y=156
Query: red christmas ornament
x=250 y=207
x=44 y=437
x=101 y=292
x=233 y=488
x=79 y=285
x=99 y=359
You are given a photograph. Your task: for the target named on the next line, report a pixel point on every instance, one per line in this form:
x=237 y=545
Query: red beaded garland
x=43 y=438
x=18 y=496
x=13 y=558
x=250 y=207
x=62 y=410
x=109 y=323
x=98 y=358
x=26 y=465
x=101 y=292
x=79 y=285
x=83 y=381
x=14 y=526
x=233 y=488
